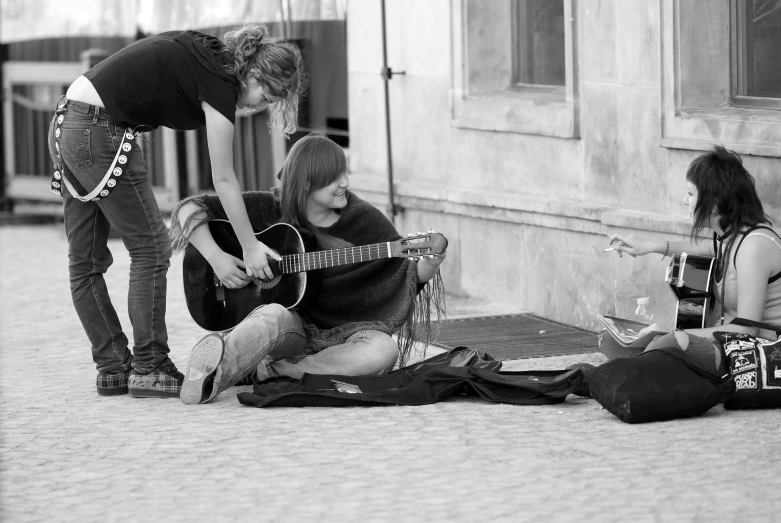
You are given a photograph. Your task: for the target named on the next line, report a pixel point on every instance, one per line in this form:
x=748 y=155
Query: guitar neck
x=309 y=261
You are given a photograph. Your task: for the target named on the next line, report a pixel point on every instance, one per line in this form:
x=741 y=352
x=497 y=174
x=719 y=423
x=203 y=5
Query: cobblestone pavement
x=67 y=454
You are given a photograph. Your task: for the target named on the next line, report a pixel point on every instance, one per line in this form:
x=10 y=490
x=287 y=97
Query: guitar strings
x=322 y=259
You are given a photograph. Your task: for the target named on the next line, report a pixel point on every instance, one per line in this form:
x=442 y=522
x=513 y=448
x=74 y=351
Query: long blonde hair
x=276 y=65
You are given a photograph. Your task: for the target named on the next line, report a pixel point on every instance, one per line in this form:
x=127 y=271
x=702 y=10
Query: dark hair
x=314 y=161
x=724 y=187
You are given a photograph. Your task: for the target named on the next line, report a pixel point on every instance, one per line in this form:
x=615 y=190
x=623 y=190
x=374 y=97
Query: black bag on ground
x=461 y=371
x=755 y=365
x=657 y=385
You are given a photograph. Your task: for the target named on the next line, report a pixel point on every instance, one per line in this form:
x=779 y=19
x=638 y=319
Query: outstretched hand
x=630 y=244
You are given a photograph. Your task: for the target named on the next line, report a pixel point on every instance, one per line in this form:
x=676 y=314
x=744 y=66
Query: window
x=720 y=75
x=538 y=32
x=514 y=67
x=756 y=53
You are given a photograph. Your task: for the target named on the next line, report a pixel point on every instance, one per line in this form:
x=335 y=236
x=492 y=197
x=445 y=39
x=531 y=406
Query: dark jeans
x=88 y=143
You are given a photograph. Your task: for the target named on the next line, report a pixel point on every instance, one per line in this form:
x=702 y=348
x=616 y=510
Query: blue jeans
x=88 y=143
x=277 y=333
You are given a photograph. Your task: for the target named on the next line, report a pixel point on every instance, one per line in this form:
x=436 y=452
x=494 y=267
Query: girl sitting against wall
x=721 y=196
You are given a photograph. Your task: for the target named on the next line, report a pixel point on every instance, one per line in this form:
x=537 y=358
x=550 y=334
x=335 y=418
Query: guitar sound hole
x=267 y=284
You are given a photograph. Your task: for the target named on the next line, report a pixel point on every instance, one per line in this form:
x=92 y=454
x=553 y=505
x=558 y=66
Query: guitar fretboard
x=308 y=261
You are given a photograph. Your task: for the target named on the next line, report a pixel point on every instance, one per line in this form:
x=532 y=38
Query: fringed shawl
x=382 y=295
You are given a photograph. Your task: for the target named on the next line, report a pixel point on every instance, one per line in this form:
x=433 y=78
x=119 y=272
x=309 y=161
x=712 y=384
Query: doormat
x=515 y=337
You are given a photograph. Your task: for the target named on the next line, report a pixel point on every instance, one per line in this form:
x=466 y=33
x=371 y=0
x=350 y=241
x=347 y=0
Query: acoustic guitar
x=217 y=308
x=691 y=278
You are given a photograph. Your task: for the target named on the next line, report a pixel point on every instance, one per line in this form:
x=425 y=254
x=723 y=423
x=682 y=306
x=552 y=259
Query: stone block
x=641 y=168
x=367 y=124
x=597 y=42
x=599 y=115
x=637 y=36
x=417 y=43
x=364 y=26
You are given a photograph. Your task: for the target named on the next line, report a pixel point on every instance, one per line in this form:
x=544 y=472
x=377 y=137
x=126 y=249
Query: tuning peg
x=430 y=230
x=410 y=234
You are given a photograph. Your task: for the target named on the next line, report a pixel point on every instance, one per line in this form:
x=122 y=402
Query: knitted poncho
x=378 y=295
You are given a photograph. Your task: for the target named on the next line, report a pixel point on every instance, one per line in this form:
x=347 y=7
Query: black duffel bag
x=462 y=371
x=657 y=385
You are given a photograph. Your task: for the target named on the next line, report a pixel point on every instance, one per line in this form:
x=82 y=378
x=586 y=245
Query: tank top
x=772 y=310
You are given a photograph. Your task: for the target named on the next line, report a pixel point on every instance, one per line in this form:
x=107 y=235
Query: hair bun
x=247 y=39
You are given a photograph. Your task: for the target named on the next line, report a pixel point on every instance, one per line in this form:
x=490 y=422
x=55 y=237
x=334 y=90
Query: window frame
x=739 y=59
x=696 y=112
x=526 y=109
x=518 y=62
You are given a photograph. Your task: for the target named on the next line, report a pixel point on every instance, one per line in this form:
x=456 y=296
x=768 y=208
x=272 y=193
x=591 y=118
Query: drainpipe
x=387 y=75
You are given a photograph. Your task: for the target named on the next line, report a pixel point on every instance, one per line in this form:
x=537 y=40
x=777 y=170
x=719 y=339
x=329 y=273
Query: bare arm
x=757 y=261
x=227 y=268
x=428 y=267
x=636 y=246
x=220 y=139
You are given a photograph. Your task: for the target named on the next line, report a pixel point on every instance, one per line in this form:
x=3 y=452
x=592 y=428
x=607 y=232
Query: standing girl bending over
x=346 y=329
x=178 y=79
x=721 y=196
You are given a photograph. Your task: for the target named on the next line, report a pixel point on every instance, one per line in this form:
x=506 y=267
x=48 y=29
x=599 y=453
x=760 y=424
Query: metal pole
x=387 y=74
x=5 y=204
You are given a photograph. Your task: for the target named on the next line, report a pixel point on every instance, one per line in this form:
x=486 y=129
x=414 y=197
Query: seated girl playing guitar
x=721 y=195
x=345 y=326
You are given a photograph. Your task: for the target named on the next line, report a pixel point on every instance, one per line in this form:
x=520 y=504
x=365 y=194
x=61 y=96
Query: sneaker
x=165 y=381
x=112 y=383
x=201 y=367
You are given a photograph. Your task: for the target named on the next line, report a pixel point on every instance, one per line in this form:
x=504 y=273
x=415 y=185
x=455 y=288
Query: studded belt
x=108 y=182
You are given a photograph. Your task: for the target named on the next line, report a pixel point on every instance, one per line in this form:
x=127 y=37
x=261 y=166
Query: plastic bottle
x=641 y=313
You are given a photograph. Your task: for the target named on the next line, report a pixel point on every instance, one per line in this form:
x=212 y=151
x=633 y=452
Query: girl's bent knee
x=383 y=352
x=272 y=310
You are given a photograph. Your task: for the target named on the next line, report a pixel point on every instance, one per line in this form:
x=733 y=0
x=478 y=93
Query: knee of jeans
x=157 y=253
x=271 y=310
x=664 y=341
x=81 y=267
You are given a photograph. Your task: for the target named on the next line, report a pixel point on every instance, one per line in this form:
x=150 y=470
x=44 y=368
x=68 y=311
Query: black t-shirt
x=162 y=80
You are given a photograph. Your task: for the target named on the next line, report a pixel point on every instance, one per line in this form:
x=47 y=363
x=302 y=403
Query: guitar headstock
x=418 y=245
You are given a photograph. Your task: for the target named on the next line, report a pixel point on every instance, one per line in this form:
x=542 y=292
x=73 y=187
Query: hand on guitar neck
x=437 y=246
